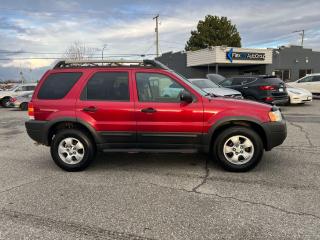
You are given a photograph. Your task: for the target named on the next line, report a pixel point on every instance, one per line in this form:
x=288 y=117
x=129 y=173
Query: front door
x=163 y=121
x=107 y=105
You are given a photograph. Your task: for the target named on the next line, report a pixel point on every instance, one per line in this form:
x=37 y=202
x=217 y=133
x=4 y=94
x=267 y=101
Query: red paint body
x=196 y=117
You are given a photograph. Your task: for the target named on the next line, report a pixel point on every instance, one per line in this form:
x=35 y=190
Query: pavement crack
x=301 y=214
x=304 y=132
x=204 y=179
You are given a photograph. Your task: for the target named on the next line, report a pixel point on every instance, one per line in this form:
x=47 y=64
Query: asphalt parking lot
x=161 y=196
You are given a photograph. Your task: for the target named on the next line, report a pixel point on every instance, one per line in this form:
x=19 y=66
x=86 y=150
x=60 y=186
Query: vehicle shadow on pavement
x=151 y=161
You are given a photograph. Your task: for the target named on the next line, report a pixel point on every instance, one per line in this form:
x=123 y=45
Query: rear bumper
x=276 y=133
x=280 y=100
x=37 y=131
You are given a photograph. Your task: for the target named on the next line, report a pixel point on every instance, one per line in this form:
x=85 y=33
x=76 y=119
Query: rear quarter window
x=57 y=85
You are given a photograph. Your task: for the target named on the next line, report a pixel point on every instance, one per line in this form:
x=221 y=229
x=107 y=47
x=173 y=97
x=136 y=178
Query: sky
x=32 y=32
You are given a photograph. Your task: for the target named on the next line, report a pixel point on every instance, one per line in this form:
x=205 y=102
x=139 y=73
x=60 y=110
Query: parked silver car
x=21 y=101
x=215 y=78
x=213 y=88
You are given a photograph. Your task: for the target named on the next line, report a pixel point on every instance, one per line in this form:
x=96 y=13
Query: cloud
x=33 y=26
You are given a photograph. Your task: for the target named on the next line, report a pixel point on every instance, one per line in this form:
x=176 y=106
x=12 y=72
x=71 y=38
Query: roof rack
x=110 y=63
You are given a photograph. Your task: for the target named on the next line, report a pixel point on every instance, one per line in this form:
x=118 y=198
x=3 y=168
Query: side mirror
x=186 y=97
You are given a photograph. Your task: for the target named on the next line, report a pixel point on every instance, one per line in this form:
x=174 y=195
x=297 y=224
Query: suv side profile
x=80 y=107
x=264 y=88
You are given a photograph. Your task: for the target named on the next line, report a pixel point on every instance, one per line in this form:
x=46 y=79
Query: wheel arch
x=225 y=123
x=71 y=123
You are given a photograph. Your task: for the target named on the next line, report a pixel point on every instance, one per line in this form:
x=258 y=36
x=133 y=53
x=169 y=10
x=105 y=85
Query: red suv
x=80 y=107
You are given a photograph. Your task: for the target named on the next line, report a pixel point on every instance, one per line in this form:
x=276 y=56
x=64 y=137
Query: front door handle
x=245 y=87
x=90 y=109
x=148 y=110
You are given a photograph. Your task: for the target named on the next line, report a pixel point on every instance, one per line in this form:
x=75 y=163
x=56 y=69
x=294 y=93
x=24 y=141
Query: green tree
x=214 y=31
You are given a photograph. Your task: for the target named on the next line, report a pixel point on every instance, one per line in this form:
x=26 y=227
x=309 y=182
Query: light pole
x=157 y=34
x=104 y=47
x=301 y=34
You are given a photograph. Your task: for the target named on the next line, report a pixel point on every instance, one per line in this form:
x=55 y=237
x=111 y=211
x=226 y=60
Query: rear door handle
x=90 y=109
x=245 y=87
x=148 y=110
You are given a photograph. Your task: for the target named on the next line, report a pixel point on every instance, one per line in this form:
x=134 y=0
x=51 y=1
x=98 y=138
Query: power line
x=63 y=58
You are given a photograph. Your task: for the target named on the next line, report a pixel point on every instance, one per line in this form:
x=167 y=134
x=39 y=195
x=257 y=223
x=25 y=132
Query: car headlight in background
x=275 y=116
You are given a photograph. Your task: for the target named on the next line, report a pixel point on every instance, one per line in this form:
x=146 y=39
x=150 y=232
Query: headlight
x=275 y=116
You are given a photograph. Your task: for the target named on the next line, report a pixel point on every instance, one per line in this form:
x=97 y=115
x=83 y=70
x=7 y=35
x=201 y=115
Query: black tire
x=5 y=102
x=89 y=149
x=223 y=137
x=251 y=98
x=24 y=106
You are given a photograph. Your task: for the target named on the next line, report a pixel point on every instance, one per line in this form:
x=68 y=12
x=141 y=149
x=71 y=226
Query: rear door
x=106 y=103
x=163 y=121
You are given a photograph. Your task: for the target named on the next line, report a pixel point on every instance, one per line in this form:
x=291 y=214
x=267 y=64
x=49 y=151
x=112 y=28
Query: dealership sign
x=252 y=56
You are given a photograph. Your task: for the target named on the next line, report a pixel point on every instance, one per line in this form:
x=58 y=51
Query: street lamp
x=104 y=47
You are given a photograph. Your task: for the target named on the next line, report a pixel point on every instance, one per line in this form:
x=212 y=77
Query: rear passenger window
x=30 y=88
x=107 y=86
x=57 y=85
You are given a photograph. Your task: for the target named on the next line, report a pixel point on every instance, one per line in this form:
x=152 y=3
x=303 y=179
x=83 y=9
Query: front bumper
x=295 y=99
x=37 y=130
x=276 y=133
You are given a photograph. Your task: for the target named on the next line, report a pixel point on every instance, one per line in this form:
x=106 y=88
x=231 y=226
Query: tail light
x=267 y=88
x=31 y=110
x=13 y=100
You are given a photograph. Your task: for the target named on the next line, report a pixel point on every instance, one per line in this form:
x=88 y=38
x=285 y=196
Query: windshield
x=215 y=77
x=193 y=86
x=204 y=83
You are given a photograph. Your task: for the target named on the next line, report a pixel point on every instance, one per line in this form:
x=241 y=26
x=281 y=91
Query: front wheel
x=72 y=150
x=238 y=149
x=6 y=102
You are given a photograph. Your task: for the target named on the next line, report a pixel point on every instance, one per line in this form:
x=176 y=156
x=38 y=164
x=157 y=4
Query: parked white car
x=298 y=95
x=311 y=82
x=21 y=101
x=16 y=91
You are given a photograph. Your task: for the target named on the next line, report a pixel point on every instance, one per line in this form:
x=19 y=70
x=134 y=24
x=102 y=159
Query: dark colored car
x=268 y=89
x=80 y=107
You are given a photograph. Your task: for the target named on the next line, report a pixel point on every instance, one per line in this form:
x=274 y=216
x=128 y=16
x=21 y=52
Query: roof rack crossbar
x=109 y=63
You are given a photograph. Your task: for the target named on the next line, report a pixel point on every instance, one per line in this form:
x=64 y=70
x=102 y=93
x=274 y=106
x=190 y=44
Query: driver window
x=154 y=87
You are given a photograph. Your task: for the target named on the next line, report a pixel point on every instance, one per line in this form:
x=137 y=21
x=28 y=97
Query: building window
x=304 y=72
x=283 y=74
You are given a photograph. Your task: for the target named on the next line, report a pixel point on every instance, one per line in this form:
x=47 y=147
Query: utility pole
x=104 y=47
x=157 y=34
x=302 y=35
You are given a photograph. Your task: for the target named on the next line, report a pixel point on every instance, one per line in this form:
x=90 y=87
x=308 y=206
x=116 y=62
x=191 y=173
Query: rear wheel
x=238 y=149
x=72 y=150
x=24 y=106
